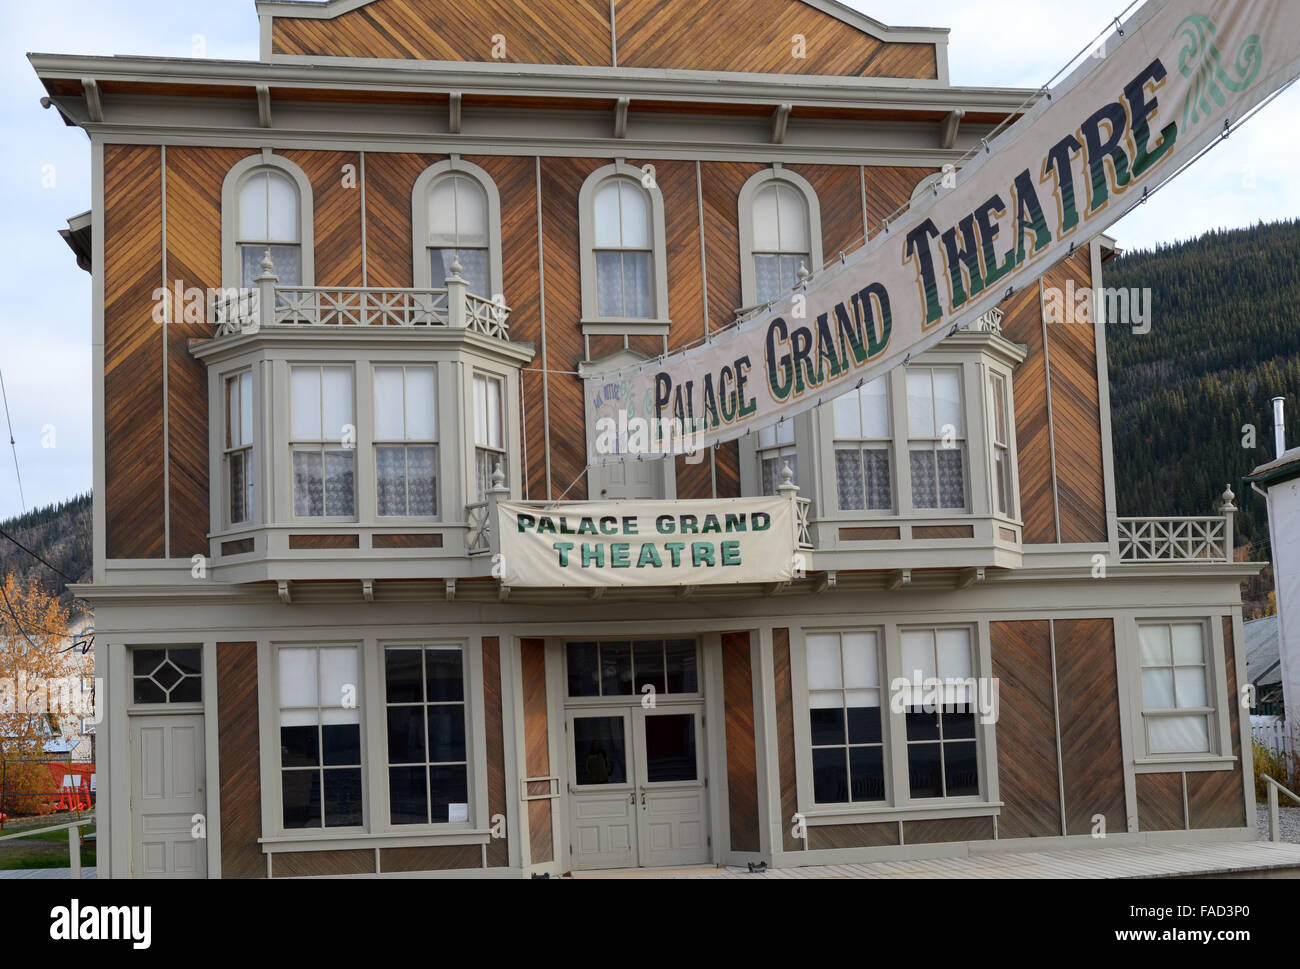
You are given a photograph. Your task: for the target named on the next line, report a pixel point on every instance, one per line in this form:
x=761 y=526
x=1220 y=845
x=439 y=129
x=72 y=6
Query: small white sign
x=457 y=813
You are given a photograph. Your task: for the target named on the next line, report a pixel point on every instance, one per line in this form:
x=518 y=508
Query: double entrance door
x=637 y=793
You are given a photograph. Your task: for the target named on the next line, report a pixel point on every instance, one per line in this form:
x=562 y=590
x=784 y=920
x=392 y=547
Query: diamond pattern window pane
x=849 y=479
x=952 y=482
x=171 y=675
x=924 y=488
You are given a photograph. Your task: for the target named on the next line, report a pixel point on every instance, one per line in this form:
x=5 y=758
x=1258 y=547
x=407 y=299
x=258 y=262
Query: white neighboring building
x=1279 y=480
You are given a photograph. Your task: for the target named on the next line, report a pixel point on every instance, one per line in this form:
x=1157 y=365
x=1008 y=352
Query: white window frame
x=472 y=747
x=745 y=210
x=245 y=449
x=592 y=321
x=276 y=767
x=1219 y=724
x=934 y=444
x=899 y=805
x=231 y=264
x=422 y=269
x=292 y=443
x=376 y=442
x=1001 y=444
x=501 y=451
x=776 y=441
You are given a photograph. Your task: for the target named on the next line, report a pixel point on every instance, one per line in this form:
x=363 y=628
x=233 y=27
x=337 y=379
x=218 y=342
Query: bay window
x=406 y=441
x=489 y=438
x=1003 y=489
x=323 y=441
x=862 y=443
x=936 y=437
x=238 y=447
x=776 y=450
x=320 y=736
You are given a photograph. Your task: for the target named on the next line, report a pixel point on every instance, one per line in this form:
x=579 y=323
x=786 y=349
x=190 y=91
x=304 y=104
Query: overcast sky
x=45 y=299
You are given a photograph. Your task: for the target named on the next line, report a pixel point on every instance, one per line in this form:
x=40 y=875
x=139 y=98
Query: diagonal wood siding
x=702 y=35
x=194 y=180
x=1092 y=759
x=1023 y=323
x=516 y=182
x=789 y=785
x=742 y=762
x=575 y=32
x=537 y=756
x=240 y=761
x=390 y=178
x=1160 y=802
x=1217 y=799
x=337 y=204
x=1028 y=782
x=133 y=353
x=498 y=849
x=1076 y=415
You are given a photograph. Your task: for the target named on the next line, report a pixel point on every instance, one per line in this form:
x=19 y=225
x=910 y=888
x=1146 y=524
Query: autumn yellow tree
x=37 y=677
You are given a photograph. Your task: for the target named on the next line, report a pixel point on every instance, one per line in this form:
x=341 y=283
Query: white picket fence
x=1271 y=732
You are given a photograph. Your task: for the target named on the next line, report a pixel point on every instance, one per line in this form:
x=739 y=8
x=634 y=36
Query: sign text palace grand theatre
x=723 y=541
x=1180 y=76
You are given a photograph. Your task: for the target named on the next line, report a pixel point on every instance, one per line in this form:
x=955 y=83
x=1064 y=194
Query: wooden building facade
x=336 y=289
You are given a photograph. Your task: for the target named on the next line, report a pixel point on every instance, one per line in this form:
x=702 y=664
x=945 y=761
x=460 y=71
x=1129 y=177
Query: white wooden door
x=672 y=802
x=628 y=481
x=602 y=790
x=167 y=782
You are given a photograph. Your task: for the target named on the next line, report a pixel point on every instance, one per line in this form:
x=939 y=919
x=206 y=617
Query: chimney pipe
x=1279 y=425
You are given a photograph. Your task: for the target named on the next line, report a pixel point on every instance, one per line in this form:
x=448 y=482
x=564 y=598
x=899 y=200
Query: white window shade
x=920 y=404
x=268 y=208
x=389 y=404
x=635 y=215
x=304 y=404
x=421 y=404
x=918 y=653
x=780 y=220
x=947 y=401
x=1188 y=644
x=861 y=660
x=1154 y=646
x=297 y=676
x=246 y=408
x=458 y=212
x=823 y=651
x=336 y=403
x=338 y=676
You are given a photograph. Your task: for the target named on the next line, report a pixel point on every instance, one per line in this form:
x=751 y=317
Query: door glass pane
x=616 y=669
x=670 y=747
x=682 y=676
x=584 y=670
x=649 y=663
x=599 y=750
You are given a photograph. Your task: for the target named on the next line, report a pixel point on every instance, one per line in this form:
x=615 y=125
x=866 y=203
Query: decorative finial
x=1225 y=502
x=804 y=274
x=787 y=476
x=498 y=478
x=267 y=265
x=456 y=267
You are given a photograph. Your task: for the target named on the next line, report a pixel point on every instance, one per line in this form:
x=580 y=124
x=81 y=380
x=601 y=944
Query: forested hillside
x=1224 y=341
x=60 y=534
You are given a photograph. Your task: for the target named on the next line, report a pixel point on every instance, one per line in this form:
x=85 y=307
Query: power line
x=55 y=568
x=13 y=445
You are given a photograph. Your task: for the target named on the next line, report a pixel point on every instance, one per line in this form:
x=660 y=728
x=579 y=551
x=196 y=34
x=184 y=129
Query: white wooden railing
x=1274 y=820
x=269 y=304
x=1205 y=539
x=1271 y=732
x=477 y=537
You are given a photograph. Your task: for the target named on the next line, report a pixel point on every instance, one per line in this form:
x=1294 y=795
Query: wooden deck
x=1258 y=859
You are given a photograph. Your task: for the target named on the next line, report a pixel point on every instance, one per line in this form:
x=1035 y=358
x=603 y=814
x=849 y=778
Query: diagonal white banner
x=1171 y=84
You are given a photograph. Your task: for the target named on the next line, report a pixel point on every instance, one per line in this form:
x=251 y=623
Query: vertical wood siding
x=498 y=849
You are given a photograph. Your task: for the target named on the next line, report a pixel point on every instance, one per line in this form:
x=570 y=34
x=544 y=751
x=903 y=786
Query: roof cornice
x=540 y=81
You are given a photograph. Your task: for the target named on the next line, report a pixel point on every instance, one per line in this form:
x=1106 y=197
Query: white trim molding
x=230 y=266
x=422 y=271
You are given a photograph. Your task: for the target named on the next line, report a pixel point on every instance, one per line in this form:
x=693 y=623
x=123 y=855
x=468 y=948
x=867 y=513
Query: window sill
x=622 y=327
x=1155 y=765
x=322 y=841
x=909 y=812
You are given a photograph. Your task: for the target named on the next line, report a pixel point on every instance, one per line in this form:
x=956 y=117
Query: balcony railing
x=271 y=305
x=1204 y=539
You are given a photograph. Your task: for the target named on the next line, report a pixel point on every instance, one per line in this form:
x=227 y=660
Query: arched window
x=780 y=233
x=267 y=204
x=456 y=217
x=624 y=252
x=622 y=231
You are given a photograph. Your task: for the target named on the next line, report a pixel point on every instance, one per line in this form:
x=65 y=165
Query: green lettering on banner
x=619 y=555
x=674 y=549
x=593 y=555
x=731 y=552
x=563 y=548
x=702 y=554
x=649 y=556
